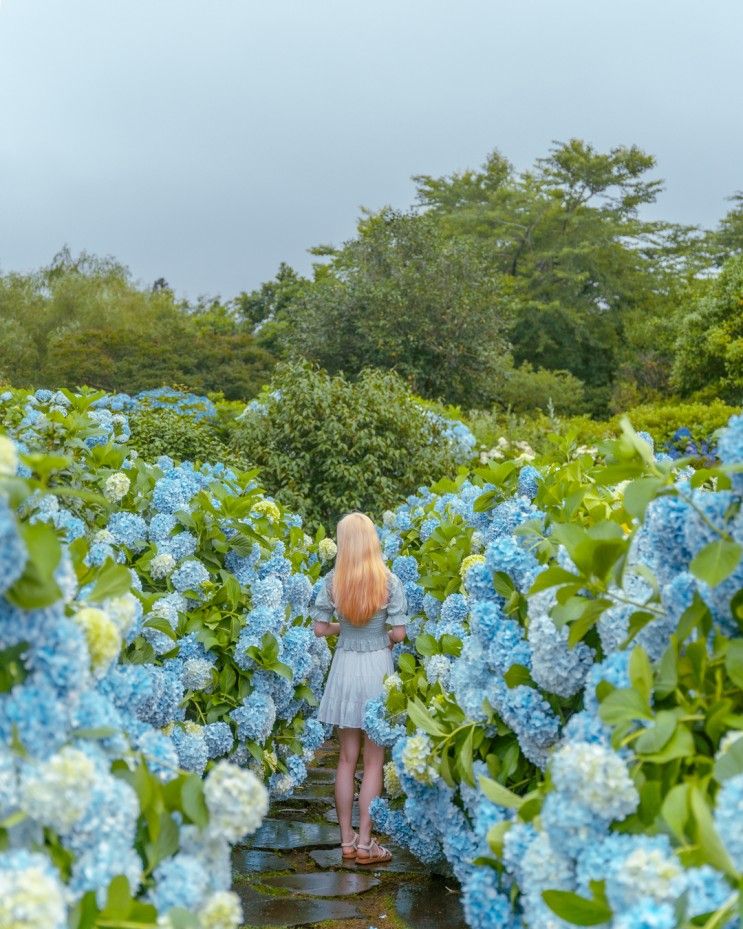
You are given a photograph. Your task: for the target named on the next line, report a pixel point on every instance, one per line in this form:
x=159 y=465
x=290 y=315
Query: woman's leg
x=350 y=746
x=371 y=786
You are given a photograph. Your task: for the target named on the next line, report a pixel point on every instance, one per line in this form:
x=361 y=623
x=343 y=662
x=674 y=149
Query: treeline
x=497 y=289
x=82 y=321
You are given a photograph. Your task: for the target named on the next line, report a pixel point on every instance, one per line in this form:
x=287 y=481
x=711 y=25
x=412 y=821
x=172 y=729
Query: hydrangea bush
x=565 y=726
x=155 y=669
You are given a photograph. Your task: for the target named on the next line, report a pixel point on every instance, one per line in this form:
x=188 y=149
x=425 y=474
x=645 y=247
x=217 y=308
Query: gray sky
x=206 y=140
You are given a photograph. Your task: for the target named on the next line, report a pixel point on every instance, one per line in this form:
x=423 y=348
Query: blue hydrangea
x=528 y=481
x=255 y=717
x=190 y=576
x=555 y=666
x=377 y=726
x=406 y=568
x=728 y=819
x=128 y=529
x=193 y=753
x=219 y=739
x=13 y=553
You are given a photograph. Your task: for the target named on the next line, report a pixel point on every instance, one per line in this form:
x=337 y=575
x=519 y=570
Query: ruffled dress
x=362 y=658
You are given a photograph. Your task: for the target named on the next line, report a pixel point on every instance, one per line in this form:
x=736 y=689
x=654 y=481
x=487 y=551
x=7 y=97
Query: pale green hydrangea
x=162 y=566
x=8 y=456
x=392 y=785
x=222 y=910
x=392 y=682
x=327 y=549
x=57 y=792
x=236 y=799
x=417 y=757
x=116 y=487
x=123 y=611
x=103 y=637
x=31 y=898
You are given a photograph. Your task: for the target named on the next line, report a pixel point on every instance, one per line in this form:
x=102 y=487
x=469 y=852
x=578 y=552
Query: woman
x=365 y=597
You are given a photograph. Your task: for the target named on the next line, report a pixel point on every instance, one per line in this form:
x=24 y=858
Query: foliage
x=525 y=389
x=158 y=432
x=146 y=610
x=326 y=445
x=83 y=321
x=403 y=296
x=565 y=727
x=709 y=352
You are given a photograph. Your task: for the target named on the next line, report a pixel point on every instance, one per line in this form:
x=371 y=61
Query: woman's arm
x=396 y=634
x=324 y=629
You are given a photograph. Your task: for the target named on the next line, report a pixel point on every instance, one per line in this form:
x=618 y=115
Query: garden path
x=292 y=874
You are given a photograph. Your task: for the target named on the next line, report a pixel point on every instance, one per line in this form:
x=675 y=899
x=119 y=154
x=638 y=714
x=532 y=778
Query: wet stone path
x=292 y=873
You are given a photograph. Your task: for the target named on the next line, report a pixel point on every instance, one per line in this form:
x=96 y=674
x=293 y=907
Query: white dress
x=362 y=658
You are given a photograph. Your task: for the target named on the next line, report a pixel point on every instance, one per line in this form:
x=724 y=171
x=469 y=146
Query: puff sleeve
x=323 y=608
x=397 y=608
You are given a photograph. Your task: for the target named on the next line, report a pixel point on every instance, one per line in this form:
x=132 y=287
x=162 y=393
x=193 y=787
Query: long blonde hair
x=361 y=576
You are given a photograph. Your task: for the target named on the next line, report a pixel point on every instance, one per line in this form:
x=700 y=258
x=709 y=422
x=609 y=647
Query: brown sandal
x=373 y=853
x=348 y=849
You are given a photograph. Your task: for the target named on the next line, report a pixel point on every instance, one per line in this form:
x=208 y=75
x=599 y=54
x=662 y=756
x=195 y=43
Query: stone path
x=293 y=875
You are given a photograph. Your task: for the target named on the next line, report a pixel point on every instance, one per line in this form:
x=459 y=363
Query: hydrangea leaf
x=734 y=661
x=710 y=846
x=716 y=561
x=36 y=587
x=576 y=909
x=730 y=762
x=500 y=794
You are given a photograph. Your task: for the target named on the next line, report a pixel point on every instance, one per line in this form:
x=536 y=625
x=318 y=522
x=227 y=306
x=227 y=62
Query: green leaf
x=162 y=625
x=406 y=663
x=114 y=580
x=36 y=587
x=486 y=501
x=680 y=745
x=496 y=837
x=639 y=493
x=193 y=802
x=734 y=661
x=730 y=762
x=118 y=900
x=553 y=577
x=641 y=673
x=517 y=674
x=183 y=919
x=450 y=645
x=659 y=734
x=624 y=705
x=710 y=845
x=675 y=809
x=283 y=670
x=464 y=757
x=421 y=718
x=426 y=645
x=666 y=671
x=167 y=840
x=716 y=561
x=499 y=794
x=577 y=910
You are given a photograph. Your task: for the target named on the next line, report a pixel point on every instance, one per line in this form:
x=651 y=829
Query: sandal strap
x=353 y=843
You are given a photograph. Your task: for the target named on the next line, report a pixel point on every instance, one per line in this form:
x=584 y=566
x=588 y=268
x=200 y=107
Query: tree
x=405 y=296
x=575 y=255
x=709 y=351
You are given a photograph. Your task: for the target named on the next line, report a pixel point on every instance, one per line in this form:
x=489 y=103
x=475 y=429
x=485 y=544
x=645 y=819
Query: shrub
x=158 y=432
x=526 y=389
x=327 y=445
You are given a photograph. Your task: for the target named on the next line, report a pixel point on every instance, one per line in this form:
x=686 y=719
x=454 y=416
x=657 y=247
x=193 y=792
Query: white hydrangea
x=392 y=682
x=8 y=456
x=222 y=910
x=647 y=872
x=116 y=487
x=728 y=740
x=123 y=611
x=388 y=519
x=103 y=537
x=327 y=549
x=57 y=792
x=477 y=542
x=236 y=799
x=596 y=777
x=162 y=566
x=438 y=668
x=31 y=897
x=392 y=785
x=416 y=759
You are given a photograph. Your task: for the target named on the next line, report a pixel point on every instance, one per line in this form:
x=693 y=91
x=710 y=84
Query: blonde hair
x=361 y=576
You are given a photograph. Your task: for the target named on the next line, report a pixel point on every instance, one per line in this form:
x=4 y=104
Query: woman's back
x=372 y=635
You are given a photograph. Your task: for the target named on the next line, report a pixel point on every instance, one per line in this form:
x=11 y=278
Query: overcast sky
x=205 y=141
